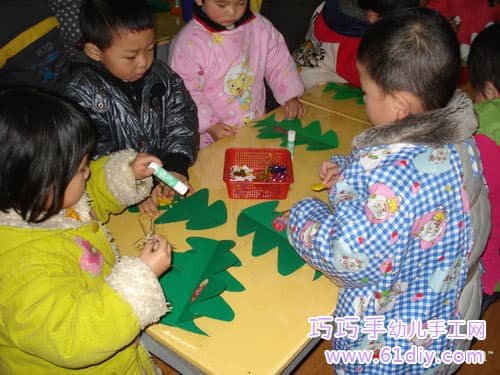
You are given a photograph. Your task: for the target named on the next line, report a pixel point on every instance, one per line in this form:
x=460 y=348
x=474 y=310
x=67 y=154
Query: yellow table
x=348 y=108
x=269 y=332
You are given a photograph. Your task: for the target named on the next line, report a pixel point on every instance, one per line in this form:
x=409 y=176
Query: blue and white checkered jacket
x=407 y=221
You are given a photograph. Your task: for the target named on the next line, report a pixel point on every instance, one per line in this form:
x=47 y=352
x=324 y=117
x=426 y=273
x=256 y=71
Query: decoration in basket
x=272 y=173
x=257 y=173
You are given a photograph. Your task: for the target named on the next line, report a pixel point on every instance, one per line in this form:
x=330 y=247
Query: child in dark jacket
x=31 y=49
x=135 y=101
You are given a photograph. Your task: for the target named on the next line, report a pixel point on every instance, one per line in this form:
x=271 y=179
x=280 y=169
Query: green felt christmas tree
x=259 y=219
x=197 y=211
x=344 y=92
x=309 y=135
x=196 y=280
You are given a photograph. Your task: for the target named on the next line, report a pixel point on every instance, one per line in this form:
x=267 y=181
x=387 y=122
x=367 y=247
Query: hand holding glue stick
x=166 y=177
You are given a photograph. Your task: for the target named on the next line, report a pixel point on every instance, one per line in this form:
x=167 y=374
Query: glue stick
x=169 y=179
x=291 y=141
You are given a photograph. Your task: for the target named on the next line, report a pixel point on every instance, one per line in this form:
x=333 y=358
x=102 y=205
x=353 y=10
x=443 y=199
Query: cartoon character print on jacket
x=343 y=192
x=443 y=280
x=434 y=160
x=237 y=84
x=91 y=259
x=386 y=266
x=386 y=300
x=371 y=159
x=360 y=305
x=430 y=228
x=345 y=259
x=308 y=232
x=382 y=203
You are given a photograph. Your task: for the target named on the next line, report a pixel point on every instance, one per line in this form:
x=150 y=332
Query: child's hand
x=221 y=130
x=329 y=173
x=157 y=254
x=149 y=206
x=163 y=191
x=140 y=165
x=294 y=108
x=183 y=179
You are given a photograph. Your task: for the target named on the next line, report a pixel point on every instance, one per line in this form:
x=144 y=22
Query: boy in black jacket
x=135 y=101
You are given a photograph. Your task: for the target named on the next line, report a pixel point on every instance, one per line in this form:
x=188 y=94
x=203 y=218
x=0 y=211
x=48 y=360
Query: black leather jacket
x=164 y=121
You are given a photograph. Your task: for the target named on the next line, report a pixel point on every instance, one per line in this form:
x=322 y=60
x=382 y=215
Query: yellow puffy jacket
x=68 y=303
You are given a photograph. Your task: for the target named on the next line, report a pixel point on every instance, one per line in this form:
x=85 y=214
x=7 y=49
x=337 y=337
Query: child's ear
x=402 y=104
x=92 y=51
x=490 y=91
x=199 y=2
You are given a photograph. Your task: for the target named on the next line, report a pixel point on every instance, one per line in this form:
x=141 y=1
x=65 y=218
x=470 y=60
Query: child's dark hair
x=415 y=51
x=484 y=58
x=99 y=19
x=386 y=7
x=44 y=138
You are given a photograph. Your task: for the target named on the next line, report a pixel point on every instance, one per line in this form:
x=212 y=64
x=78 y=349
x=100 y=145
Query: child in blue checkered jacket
x=409 y=212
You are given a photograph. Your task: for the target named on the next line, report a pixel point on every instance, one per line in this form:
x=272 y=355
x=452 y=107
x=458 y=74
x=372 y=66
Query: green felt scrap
x=259 y=219
x=309 y=135
x=196 y=280
x=344 y=92
x=196 y=210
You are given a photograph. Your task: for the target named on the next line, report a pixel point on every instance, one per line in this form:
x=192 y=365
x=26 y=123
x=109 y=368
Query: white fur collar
x=58 y=221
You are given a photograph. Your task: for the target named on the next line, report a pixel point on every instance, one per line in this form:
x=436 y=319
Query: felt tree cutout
x=196 y=280
x=197 y=211
x=309 y=135
x=259 y=219
x=344 y=92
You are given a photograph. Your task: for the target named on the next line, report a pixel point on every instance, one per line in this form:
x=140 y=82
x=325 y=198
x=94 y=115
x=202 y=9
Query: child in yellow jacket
x=68 y=302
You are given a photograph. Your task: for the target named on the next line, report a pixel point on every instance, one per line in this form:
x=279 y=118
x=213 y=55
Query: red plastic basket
x=258 y=159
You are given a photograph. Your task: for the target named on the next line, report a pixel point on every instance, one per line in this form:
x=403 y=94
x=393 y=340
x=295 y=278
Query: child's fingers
x=302 y=110
x=229 y=130
x=163 y=251
x=145 y=159
x=329 y=178
x=324 y=168
x=291 y=111
x=148 y=207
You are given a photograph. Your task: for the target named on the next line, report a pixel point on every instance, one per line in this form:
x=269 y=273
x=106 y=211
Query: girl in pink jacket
x=224 y=55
